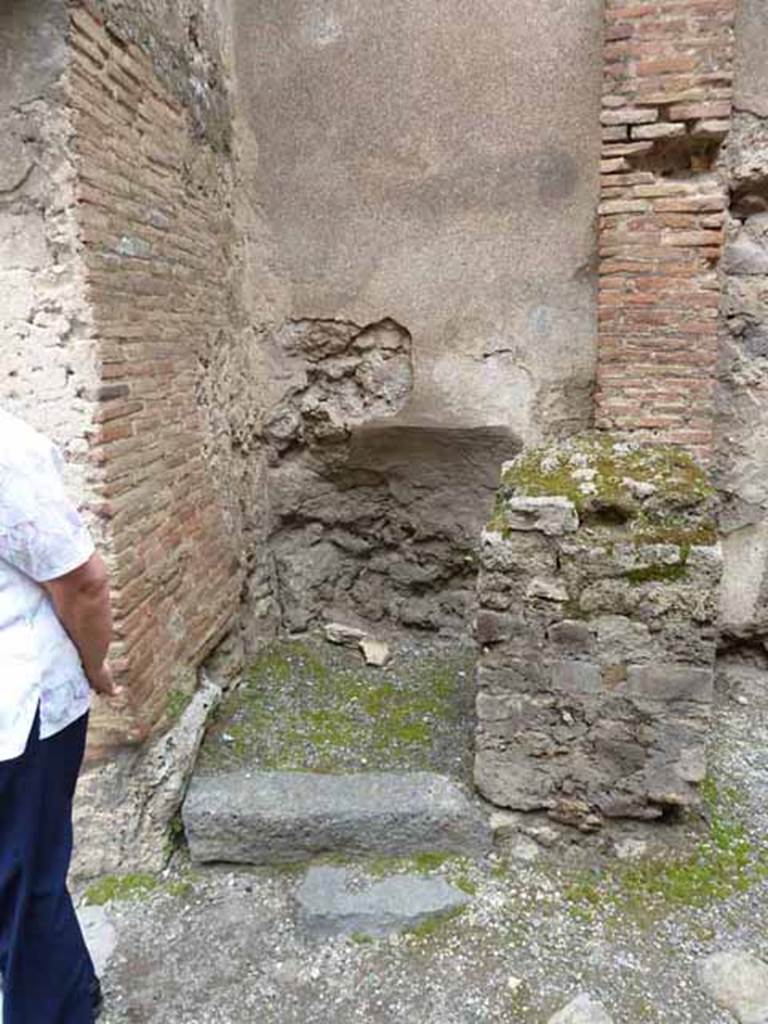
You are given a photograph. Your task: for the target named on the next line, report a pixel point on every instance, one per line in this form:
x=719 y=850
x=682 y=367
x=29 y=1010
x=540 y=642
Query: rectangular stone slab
x=252 y=817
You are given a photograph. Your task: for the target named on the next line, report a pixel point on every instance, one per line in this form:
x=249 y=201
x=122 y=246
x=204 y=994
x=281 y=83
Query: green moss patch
x=658 y=573
x=425 y=930
x=121 y=887
x=655 y=493
x=137 y=887
x=726 y=861
x=312 y=706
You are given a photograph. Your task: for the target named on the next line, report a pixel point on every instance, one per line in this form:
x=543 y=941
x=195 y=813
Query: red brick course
x=155 y=246
x=667 y=87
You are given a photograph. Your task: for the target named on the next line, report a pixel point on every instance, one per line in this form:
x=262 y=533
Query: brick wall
x=156 y=241
x=666 y=112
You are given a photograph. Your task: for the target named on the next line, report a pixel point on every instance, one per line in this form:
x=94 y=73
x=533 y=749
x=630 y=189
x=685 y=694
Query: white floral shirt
x=41 y=538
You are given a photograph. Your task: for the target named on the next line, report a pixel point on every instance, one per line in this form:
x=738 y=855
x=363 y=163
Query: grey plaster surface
x=436 y=163
x=751 y=81
x=32 y=49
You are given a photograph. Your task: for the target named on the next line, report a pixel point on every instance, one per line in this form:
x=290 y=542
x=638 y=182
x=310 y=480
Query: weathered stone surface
x=124 y=808
x=748 y=253
x=384 y=526
x=99 y=933
x=737 y=982
x=582 y=1010
x=338 y=633
x=331 y=901
x=742 y=406
x=751 y=85
x=551 y=516
x=598 y=705
x=375 y=652
x=265 y=817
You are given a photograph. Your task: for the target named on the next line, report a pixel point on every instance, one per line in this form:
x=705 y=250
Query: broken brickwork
x=668 y=77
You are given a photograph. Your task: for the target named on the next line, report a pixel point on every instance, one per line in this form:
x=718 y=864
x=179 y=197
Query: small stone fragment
x=641 y=489
x=582 y=1010
x=549 y=590
x=544 y=835
x=737 y=982
x=375 y=652
x=523 y=849
x=631 y=849
x=338 y=633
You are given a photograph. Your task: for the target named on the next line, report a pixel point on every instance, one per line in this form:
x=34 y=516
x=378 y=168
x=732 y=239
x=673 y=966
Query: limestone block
x=551 y=516
x=518 y=555
x=547 y=589
x=572 y=637
x=576 y=677
x=492 y=627
x=517 y=783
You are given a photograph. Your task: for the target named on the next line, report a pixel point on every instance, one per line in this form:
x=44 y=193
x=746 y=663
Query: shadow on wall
x=374 y=516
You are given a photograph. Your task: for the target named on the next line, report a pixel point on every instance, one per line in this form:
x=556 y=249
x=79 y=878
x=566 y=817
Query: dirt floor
x=628 y=920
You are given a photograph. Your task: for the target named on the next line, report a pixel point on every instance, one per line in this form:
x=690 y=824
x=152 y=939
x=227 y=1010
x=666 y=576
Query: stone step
x=253 y=817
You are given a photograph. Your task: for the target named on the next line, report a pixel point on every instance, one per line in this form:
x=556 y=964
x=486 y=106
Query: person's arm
x=81 y=600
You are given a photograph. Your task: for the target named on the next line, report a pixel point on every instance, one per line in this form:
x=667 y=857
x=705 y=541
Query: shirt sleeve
x=41 y=532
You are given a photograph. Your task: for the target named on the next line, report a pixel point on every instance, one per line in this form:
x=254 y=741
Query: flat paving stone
x=250 y=817
x=332 y=902
x=738 y=982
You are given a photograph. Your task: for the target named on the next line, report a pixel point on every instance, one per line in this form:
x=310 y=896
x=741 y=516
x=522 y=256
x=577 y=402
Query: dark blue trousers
x=45 y=965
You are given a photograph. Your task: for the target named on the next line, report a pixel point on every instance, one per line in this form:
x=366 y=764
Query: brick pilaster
x=666 y=111
x=156 y=244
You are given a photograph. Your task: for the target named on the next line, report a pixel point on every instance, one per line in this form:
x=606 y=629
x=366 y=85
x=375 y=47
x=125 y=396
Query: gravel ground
x=223 y=947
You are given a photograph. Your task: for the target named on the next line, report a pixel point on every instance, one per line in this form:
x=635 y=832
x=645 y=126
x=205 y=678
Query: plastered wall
x=436 y=164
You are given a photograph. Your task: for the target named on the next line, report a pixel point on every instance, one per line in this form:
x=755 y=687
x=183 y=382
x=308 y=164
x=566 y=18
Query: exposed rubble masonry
x=601 y=567
x=597 y=617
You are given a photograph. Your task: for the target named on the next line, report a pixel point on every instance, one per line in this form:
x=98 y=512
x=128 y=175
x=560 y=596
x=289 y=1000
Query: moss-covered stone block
x=597 y=609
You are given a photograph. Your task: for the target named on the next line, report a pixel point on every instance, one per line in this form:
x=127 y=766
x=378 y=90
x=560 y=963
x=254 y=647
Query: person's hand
x=103 y=683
